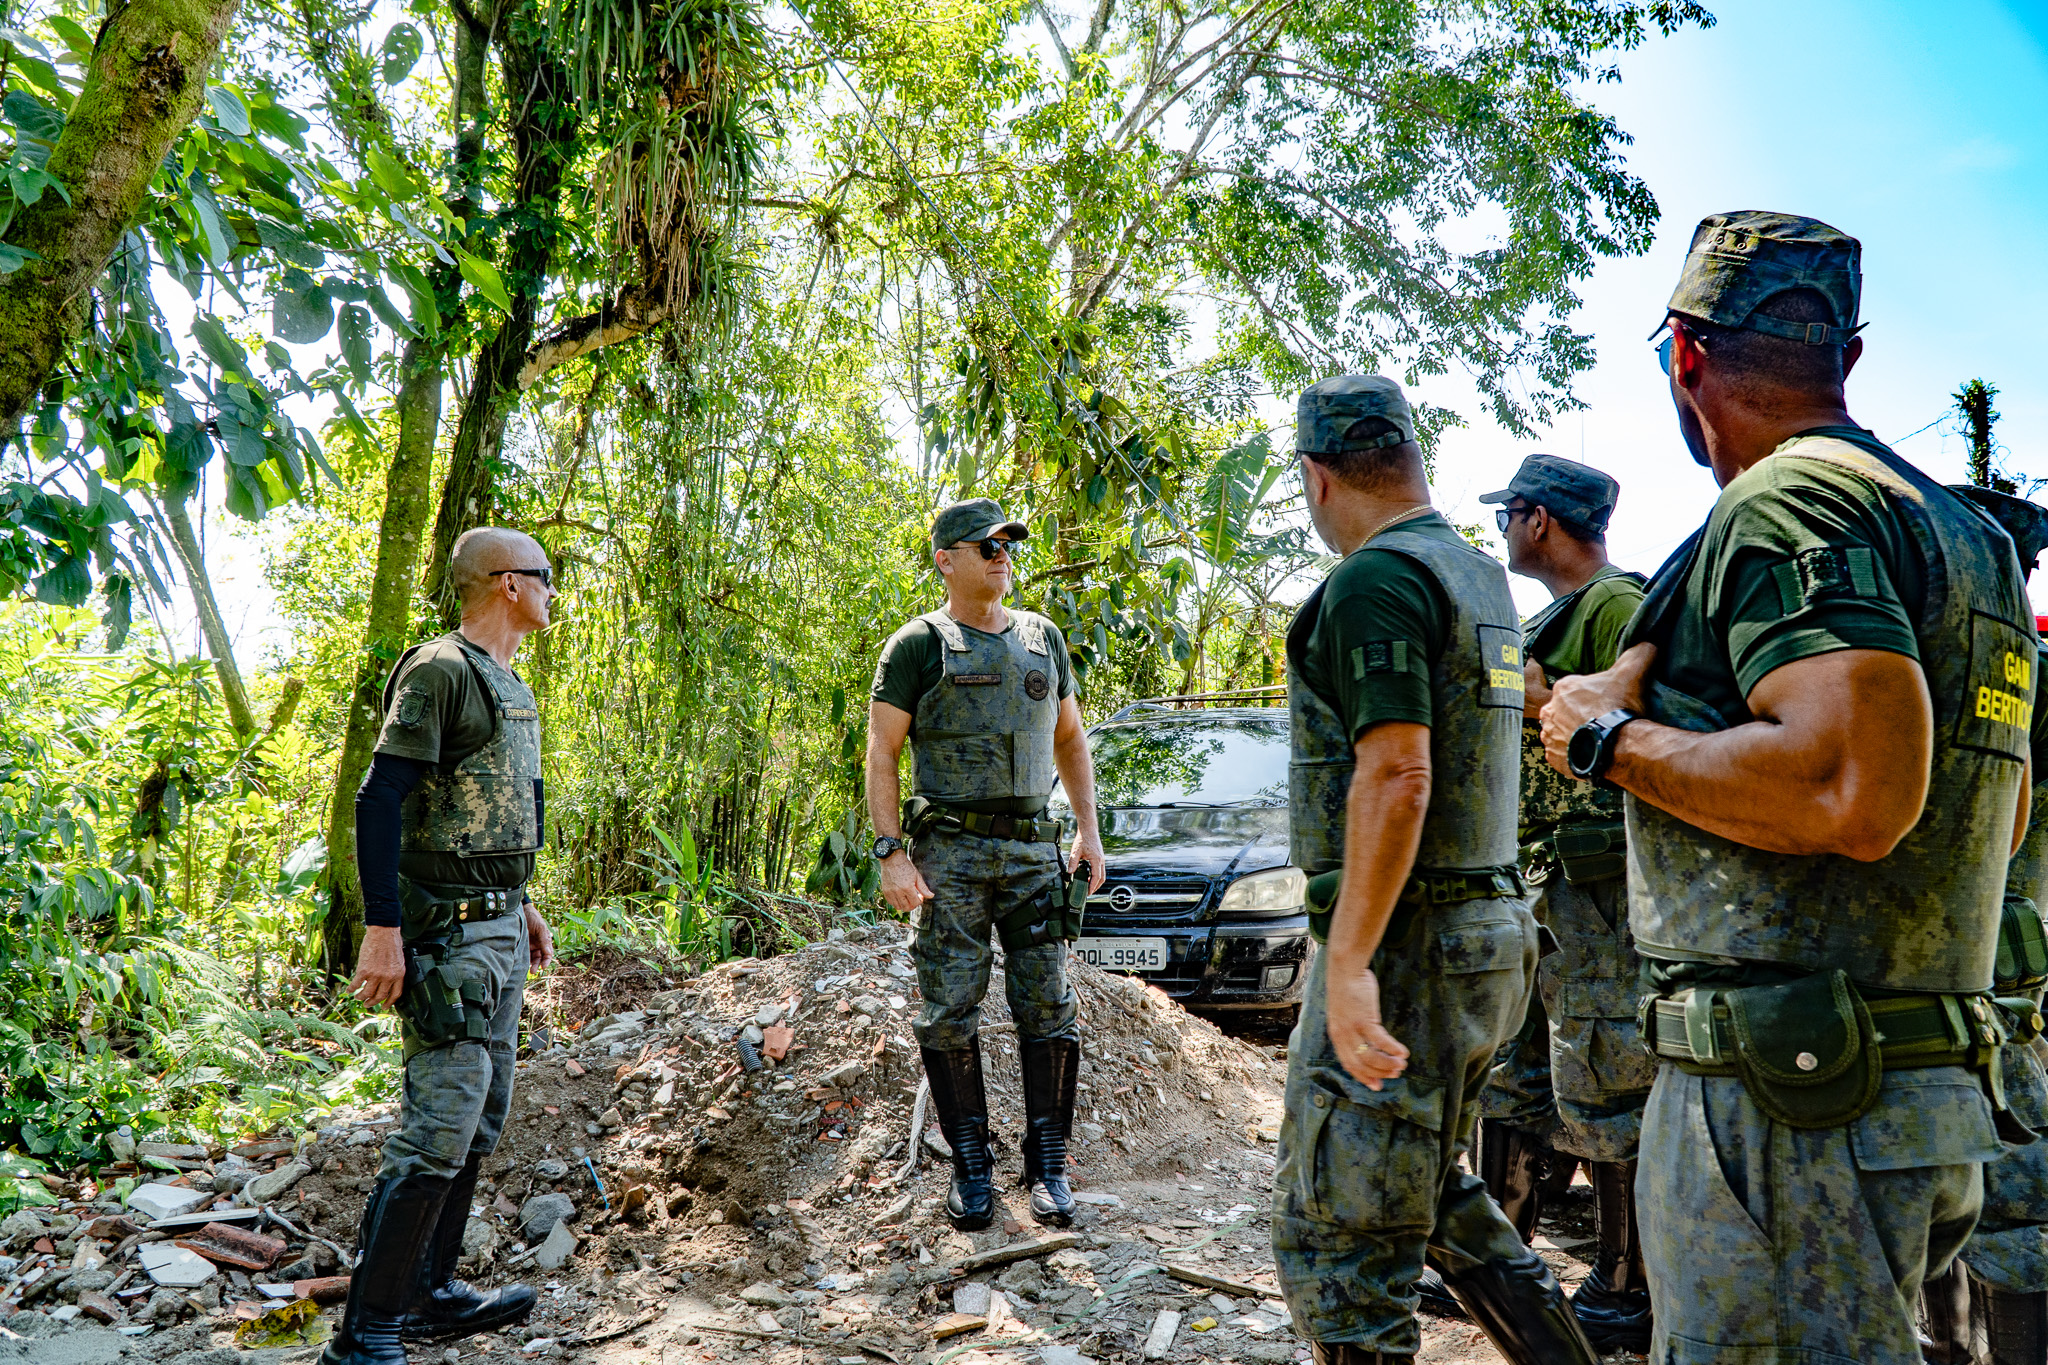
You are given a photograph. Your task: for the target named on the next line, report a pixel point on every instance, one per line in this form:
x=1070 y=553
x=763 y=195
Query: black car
x=1200 y=898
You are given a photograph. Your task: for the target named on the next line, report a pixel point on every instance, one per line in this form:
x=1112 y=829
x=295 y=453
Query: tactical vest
x=2028 y=869
x=1924 y=917
x=1549 y=797
x=485 y=803
x=985 y=732
x=1477 y=688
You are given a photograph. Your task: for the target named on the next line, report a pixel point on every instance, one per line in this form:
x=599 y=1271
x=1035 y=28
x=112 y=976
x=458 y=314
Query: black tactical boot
x=955 y=1075
x=1946 y=1301
x=448 y=1308
x=1518 y=1305
x=1437 y=1298
x=1513 y=1165
x=397 y=1221
x=1051 y=1067
x=2016 y=1324
x=1348 y=1353
x=1613 y=1305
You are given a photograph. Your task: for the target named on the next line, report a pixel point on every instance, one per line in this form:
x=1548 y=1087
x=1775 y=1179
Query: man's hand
x=903 y=885
x=540 y=940
x=1535 y=689
x=1583 y=697
x=380 y=967
x=1087 y=847
x=1364 y=1047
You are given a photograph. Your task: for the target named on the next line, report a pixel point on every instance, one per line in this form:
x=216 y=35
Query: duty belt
x=427 y=912
x=1024 y=829
x=1425 y=887
x=1912 y=1030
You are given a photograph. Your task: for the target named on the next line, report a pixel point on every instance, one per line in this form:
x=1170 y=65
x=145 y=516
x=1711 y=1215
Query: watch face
x=1582 y=749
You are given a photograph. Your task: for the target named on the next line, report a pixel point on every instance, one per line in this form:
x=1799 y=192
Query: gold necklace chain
x=1415 y=511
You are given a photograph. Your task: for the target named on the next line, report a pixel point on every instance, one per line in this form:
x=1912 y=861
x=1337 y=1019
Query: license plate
x=1123 y=954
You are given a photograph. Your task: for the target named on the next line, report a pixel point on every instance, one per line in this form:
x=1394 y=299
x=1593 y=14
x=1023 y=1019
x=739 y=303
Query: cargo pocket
x=1367 y=1165
x=1495 y=946
x=1928 y=1116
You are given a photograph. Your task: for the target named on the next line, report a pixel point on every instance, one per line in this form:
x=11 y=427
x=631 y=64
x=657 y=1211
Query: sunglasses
x=1671 y=330
x=991 y=546
x=1508 y=514
x=546 y=576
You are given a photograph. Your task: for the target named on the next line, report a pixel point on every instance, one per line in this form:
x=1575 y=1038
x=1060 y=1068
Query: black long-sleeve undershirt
x=379 y=803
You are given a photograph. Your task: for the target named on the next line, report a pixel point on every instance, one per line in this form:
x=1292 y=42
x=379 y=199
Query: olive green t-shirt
x=1378 y=606
x=1800 y=557
x=440 y=714
x=1588 y=639
x=913 y=663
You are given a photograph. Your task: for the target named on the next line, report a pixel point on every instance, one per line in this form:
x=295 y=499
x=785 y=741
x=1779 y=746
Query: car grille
x=1136 y=901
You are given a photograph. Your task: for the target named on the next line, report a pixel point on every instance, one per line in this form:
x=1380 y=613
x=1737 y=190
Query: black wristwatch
x=1591 y=750
x=884 y=846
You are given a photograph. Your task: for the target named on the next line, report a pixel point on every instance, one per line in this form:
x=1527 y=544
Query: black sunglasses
x=1664 y=347
x=546 y=576
x=991 y=546
x=1508 y=514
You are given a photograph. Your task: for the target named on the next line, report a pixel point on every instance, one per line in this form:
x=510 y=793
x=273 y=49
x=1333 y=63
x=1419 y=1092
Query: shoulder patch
x=1825 y=573
x=411 y=708
x=1379 y=656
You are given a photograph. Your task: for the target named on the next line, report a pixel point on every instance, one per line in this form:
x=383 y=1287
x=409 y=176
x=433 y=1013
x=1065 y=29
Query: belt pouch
x=1322 y=902
x=1591 y=852
x=1805 y=1050
x=2022 y=946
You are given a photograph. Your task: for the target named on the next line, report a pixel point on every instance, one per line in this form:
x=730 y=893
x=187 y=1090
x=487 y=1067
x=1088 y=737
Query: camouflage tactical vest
x=1549 y=798
x=985 y=732
x=1924 y=917
x=1477 y=688
x=485 y=803
x=2028 y=869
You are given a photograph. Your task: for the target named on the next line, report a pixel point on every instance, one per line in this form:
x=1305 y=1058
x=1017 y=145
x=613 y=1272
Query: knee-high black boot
x=1350 y=1353
x=1613 y=1305
x=397 y=1221
x=1522 y=1310
x=955 y=1075
x=1051 y=1068
x=2015 y=1324
x=1946 y=1300
x=1513 y=1164
x=447 y=1307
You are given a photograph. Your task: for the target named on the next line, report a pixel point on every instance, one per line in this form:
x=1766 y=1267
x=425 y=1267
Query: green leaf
x=486 y=278
x=119 y=592
x=13 y=258
x=67 y=583
x=391 y=174
x=387 y=313
x=211 y=229
x=402 y=48
x=838 y=705
x=228 y=109
x=222 y=349
x=356 y=334
x=302 y=311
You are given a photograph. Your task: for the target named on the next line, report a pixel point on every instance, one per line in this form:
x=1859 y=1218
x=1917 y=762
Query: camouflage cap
x=973 y=520
x=1738 y=261
x=1570 y=490
x=2026 y=522
x=1326 y=413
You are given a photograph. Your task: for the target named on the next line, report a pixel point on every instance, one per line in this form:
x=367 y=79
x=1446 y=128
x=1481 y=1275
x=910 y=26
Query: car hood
x=1193 y=840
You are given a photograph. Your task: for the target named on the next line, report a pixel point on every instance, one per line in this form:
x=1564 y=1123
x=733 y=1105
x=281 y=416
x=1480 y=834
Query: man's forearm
x=885 y=794
x=1077 y=779
x=1382 y=829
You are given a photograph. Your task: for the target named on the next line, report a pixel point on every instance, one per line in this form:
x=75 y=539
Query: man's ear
x=1315 y=481
x=939 y=562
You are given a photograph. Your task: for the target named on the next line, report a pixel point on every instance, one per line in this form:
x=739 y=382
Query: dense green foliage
x=719 y=303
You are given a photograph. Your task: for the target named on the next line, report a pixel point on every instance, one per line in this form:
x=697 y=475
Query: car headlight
x=1280 y=891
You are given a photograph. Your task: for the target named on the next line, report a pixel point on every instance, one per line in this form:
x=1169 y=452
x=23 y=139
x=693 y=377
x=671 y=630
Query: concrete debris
x=538 y=1216
x=166 y=1201
x=174 y=1267
x=767 y=1295
x=266 y=1188
x=559 y=1246
x=1160 y=1340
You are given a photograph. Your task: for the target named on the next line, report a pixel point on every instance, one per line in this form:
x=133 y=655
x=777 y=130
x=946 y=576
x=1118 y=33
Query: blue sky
x=1920 y=129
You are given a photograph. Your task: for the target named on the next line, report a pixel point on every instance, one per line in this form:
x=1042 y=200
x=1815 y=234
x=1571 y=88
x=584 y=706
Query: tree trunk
x=544 y=135
x=408 y=484
x=218 y=645
x=147 y=78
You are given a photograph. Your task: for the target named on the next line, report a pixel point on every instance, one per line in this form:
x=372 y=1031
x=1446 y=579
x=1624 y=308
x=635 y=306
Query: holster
x=440 y=1002
x=1592 y=851
x=1056 y=918
x=2022 y=962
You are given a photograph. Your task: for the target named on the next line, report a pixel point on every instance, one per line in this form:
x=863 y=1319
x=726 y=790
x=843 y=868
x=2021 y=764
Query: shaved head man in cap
x=1821 y=723
x=1405 y=682
x=985 y=695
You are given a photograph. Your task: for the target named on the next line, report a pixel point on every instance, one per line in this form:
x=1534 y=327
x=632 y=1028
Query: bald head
x=485 y=550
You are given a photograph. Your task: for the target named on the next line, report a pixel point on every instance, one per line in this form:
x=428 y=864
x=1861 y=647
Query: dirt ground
x=735 y=1176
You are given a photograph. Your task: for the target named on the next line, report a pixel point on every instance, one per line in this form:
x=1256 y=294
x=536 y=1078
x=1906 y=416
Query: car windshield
x=1205 y=761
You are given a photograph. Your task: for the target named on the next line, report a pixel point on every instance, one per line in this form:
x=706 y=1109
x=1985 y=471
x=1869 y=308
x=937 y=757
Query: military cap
x=1327 y=412
x=1570 y=490
x=1738 y=261
x=2026 y=522
x=974 y=519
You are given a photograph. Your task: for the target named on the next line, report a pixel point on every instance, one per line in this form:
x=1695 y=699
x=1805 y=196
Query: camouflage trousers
x=2009 y=1249
x=457 y=1094
x=1576 y=1073
x=974 y=882
x=1773 y=1245
x=1368 y=1181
